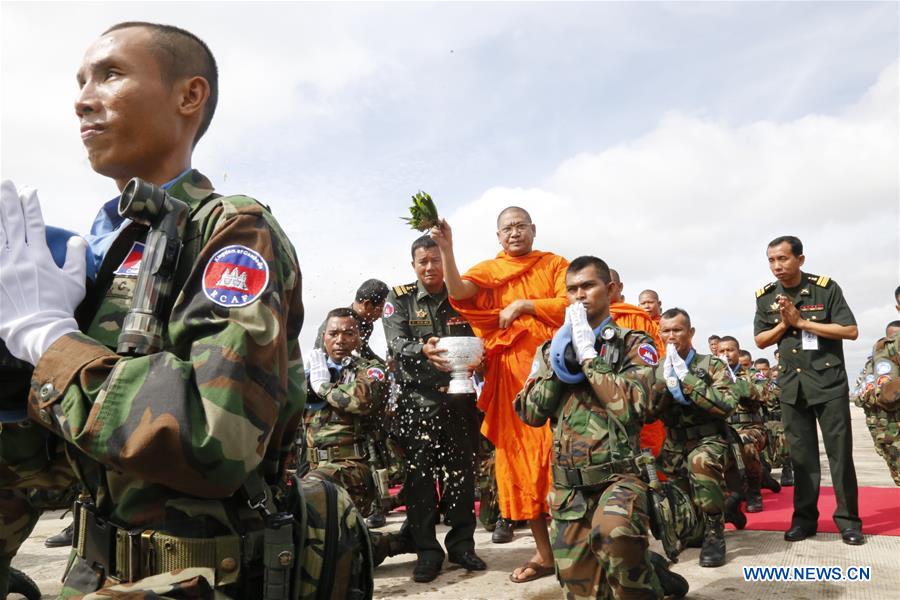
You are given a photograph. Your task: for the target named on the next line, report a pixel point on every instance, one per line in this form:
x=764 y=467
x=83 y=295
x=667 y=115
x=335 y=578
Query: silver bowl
x=464 y=354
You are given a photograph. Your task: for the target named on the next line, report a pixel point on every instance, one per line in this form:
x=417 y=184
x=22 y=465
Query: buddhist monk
x=649 y=301
x=514 y=302
x=635 y=317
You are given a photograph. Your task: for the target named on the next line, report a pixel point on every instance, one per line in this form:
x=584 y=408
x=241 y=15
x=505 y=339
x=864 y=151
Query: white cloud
x=688 y=209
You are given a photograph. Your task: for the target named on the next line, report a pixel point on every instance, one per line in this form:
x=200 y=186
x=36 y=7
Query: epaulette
x=765 y=290
x=402 y=290
x=819 y=280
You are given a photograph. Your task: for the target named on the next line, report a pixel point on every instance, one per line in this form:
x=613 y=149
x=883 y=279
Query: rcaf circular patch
x=759 y=376
x=648 y=354
x=882 y=380
x=235 y=276
x=375 y=373
x=388 y=310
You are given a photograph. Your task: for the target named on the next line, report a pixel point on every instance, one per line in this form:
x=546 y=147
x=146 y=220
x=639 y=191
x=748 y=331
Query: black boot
x=20 y=583
x=673 y=584
x=733 y=512
x=787 y=474
x=503 y=533
x=713 y=552
x=376 y=519
x=768 y=482
x=62 y=539
x=754 y=498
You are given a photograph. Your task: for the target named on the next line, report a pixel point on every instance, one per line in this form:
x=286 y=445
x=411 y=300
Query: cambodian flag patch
x=235 y=276
x=375 y=373
x=648 y=354
x=131 y=266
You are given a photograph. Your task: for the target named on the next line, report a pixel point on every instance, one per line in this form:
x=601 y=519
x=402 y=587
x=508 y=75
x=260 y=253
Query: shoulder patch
x=388 y=310
x=766 y=289
x=375 y=373
x=235 y=276
x=648 y=354
x=131 y=265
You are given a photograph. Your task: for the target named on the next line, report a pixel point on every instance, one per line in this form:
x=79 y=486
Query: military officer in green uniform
x=592 y=382
x=879 y=395
x=368 y=304
x=748 y=422
x=166 y=438
x=437 y=431
x=807 y=317
x=347 y=393
x=693 y=401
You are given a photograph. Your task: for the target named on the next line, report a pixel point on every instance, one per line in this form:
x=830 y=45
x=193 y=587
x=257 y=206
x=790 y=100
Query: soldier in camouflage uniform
x=596 y=402
x=693 y=401
x=777 y=450
x=368 y=304
x=437 y=431
x=165 y=444
x=347 y=392
x=748 y=421
x=879 y=396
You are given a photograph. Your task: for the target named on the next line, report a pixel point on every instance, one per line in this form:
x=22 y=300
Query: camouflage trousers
x=489 y=510
x=604 y=554
x=30 y=460
x=698 y=467
x=777 y=451
x=885 y=429
x=355 y=476
x=754 y=439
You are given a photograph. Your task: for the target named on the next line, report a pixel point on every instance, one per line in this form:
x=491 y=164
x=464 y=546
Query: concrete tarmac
x=745 y=548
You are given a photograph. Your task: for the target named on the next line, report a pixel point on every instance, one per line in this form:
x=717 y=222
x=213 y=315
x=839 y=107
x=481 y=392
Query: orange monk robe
x=522 y=464
x=634 y=317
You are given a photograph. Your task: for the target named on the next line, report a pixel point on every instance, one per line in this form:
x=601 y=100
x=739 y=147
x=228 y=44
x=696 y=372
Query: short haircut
x=509 y=209
x=373 y=290
x=342 y=313
x=746 y=353
x=713 y=337
x=422 y=242
x=674 y=312
x=897 y=293
x=652 y=292
x=761 y=361
x=583 y=262
x=792 y=241
x=728 y=338
x=182 y=54
x=892 y=324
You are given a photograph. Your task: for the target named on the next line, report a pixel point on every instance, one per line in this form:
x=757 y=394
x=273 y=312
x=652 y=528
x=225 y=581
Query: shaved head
x=513 y=209
x=616 y=295
x=615 y=276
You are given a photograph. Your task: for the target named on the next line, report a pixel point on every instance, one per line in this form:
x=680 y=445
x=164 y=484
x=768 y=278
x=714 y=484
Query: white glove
x=678 y=364
x=37 y=298
x=319 y=374
x=583 y=337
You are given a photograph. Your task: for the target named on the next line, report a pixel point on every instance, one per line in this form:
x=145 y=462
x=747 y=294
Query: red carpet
x=879 y=510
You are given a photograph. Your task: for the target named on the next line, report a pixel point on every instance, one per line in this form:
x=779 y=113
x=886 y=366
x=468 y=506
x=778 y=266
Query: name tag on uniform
x=810 y=341
x=419 y=322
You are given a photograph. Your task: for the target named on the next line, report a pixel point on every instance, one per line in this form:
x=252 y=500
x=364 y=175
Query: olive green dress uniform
x=437 y=431
x=814 y=387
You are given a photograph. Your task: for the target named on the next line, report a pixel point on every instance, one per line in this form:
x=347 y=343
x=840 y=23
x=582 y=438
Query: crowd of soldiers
x=168 y=392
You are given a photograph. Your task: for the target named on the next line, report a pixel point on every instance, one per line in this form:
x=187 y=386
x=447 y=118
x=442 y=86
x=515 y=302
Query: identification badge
x=810 y=341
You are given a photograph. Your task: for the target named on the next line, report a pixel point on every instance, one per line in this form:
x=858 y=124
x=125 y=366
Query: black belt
x=594 y=474
x=695 y=432
x=344 y=452
x=774 y=415
x=744 y=418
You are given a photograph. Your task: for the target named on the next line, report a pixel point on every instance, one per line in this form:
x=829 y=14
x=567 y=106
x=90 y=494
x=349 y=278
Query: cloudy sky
x=673 y=140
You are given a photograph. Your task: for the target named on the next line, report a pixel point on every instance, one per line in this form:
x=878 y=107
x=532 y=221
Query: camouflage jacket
x=707 y=385
x=342 y=414
x=173 y=434
x=773 y=395
x=881 y=387
x=596 y=421
x=411 y=316
x=751 y=391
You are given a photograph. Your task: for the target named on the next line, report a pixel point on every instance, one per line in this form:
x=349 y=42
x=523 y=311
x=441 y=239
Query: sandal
x=539 y=571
